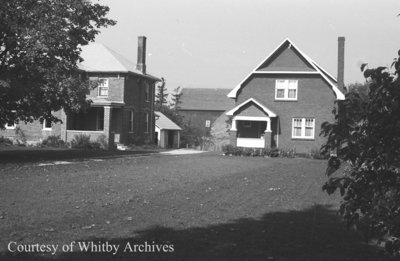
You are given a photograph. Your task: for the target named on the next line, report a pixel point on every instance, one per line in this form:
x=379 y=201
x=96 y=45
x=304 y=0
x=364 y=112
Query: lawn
x=204 y=206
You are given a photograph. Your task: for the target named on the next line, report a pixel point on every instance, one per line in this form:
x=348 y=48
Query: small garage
x=168 y=133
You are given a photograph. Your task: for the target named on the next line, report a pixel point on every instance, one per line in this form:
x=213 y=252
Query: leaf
x=363 y=66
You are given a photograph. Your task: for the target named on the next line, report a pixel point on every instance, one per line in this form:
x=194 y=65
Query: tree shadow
x=315 y=233
x=32 y=155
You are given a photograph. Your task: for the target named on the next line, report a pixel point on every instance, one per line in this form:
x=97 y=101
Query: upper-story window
x=146 y=91
x=103 y=87
x=286 y=90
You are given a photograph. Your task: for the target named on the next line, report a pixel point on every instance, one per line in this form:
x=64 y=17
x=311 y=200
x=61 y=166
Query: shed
x=168 y=132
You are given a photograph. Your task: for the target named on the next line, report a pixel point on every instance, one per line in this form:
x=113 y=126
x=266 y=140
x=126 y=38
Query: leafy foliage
x=366 y=136
x=176 y=98
x=39 y=51
x=54 y=141
x=82 y=141
x=161 y=95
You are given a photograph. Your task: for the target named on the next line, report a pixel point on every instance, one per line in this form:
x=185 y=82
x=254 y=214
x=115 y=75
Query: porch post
x=233 y=133
x=107 y=126
x=179 y=139
x=64 y=119
x=267 y=139
x=267 y=135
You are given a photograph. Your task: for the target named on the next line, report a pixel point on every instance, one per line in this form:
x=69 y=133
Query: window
x=131 y=115
x=208 y=123
x=46 y=125
x=103 y=87
x=303 y=128
x=147 y=122
x=147 y=91
x=10 y=126
x=286 y=90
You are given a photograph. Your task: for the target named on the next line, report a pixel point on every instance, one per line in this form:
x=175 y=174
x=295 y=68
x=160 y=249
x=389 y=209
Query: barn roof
x=206 y=99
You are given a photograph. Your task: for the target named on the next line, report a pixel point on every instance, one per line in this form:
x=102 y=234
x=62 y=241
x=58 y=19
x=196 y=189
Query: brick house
x=202 y=106
x=284 y=100
x=122 y=107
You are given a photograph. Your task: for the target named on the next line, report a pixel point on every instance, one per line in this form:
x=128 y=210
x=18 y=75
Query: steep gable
x=286 y=59
x=278 y=62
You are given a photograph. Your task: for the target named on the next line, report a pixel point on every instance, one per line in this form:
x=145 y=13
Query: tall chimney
x=141 y=54
x=340 y=70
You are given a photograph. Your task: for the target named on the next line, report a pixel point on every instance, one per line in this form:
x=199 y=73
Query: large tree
x=39 y=52
x=366 y=138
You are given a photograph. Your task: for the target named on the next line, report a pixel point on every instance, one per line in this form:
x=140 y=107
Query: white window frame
x=131 y=118
x=44 y=125
x=12 y=127
x=103 y=84
x=303 y=128
x=208 y=124
x=284 y=84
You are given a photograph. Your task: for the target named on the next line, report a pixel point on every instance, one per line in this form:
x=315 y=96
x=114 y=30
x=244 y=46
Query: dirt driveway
x=204 y=206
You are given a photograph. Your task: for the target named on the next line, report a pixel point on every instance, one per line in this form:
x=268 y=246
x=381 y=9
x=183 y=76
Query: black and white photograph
x=200 y=130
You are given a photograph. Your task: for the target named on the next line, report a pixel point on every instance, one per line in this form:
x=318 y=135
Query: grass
x=208 y=207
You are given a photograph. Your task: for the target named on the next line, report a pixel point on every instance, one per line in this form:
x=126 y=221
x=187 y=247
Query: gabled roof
x=317 y=69
x=164 y=123
x=99 y=58
x=259 y=104
x=205 y=99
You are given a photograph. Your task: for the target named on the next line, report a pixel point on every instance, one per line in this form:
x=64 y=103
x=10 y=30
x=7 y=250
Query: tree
x=161 y=96
x=176 y=99
x=366 y=139
x=39 y=52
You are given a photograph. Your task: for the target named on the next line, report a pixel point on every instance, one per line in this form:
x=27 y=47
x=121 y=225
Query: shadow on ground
x=30 y=155
x=312 y=234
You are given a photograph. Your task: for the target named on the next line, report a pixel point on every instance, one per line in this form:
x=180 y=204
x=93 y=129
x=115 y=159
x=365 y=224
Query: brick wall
x=315 y=100
x=34 y=131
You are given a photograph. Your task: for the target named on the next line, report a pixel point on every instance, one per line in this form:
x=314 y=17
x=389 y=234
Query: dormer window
x=103 y=87
x=286 y=90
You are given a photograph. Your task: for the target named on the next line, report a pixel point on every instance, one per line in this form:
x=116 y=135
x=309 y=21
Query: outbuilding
x=168 y=132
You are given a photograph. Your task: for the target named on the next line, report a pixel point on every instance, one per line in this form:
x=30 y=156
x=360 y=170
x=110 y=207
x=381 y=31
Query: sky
x=217 y=43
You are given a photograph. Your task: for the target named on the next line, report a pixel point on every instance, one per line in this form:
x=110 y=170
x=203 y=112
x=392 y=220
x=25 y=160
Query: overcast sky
x=216 y=43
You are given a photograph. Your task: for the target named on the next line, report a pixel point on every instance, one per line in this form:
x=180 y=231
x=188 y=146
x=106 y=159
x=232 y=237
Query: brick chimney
x=340 y=70
x=141 y=54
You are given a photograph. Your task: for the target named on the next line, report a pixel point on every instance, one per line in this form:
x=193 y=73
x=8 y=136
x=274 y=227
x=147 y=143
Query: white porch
x=250 y=142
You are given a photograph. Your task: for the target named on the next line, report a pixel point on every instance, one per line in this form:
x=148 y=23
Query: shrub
x=316 y=154
x=21 y=137
x=228 y=149
x=5 y=141
x=82 y=141
x=53 y=141
x=365 y=135
x=102 y=140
